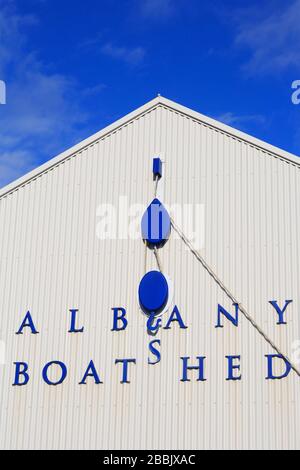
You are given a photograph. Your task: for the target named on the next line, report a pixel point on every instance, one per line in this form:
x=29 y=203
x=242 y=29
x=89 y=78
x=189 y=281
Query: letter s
x=154 y=351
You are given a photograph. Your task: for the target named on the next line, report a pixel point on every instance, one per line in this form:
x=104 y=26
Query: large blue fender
x=153 y=292
x=156 y=223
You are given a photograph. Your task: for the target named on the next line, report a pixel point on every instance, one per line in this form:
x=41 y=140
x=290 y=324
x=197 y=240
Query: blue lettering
x=175 y=316
x=199 y=368
x=222 y=311
x=153 y=324
x=63 y=372
x=232 y=367
x=271 y=375
x=21 y=370
x=125 y=363
x=119 y=316
x=27 y=323
x=154 y=351
x=280 y=311
x=91 y=372
x=73 y=328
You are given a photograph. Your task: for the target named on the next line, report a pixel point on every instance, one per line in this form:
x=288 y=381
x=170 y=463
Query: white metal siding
x=51 y=260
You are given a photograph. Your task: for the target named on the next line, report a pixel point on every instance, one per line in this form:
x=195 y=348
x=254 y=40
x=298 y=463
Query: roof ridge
x=142 y=110
x=77 y=148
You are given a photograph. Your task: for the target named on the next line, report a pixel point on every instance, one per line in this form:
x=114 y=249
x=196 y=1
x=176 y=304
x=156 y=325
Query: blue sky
x=71 y=68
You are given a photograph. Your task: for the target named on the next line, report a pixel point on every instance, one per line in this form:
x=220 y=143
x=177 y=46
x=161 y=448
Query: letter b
x=21 y=369
x=119 y=317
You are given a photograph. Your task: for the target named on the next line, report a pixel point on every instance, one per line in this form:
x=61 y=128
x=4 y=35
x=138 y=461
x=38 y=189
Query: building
x=70 y=265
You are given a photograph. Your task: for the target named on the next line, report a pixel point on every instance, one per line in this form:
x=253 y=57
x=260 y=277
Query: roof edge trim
x=146 y=108
x=232 y=132
x=75 y=149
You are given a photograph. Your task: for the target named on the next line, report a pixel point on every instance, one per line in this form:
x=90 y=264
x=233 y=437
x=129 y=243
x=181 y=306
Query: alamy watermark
x=2 y=92
x=122 y=221
x=296 y=93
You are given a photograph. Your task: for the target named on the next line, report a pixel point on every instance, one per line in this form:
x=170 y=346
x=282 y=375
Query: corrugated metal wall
x=51 y=260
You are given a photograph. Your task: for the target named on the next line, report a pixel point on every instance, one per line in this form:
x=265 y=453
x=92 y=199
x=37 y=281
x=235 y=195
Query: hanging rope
x=157 y=259
x=146 y=247
x=159 y=265
x=155 y=186
x=231 y=296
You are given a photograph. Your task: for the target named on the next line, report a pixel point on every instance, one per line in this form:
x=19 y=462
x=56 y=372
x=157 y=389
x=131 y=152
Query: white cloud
x=232 y=119
x=273 y=40
x=12 y=164
x=133 y=56
x=41 y=114
x=12 y=37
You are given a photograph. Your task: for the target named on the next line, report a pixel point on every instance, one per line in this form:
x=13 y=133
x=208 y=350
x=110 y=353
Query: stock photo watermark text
x=296 y=93
x=121 y=221
x=2 y=92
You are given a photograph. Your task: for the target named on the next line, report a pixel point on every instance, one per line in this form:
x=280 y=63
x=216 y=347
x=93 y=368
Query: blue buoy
x=153 y=292
x=157 y=167
x=156 y=224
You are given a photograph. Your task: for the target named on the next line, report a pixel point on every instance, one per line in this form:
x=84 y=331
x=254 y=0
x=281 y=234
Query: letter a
x=27 y=323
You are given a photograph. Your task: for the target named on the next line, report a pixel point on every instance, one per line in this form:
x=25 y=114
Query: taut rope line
x=231 y=296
